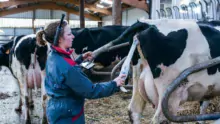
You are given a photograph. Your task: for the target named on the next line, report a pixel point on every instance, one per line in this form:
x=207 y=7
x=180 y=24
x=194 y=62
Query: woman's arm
x=79 y=59
x=85 y=56
x=81 y=85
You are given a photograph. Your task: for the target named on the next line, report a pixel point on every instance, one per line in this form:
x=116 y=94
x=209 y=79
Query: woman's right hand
x=120 y=80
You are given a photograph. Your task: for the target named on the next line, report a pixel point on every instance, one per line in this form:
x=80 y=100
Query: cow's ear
x=7 y=51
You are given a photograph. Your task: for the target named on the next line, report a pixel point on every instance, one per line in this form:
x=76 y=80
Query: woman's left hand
x=87 y=56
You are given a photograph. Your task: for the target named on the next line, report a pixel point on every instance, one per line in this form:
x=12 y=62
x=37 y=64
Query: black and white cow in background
x=166 y=48
x=90 y=39
x=27 y=63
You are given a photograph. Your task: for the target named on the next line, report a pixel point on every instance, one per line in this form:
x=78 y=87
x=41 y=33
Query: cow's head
x=5 y=50
x=4 y=57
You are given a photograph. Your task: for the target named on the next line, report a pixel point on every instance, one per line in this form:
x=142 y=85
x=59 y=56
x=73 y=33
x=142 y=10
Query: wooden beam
x=49 y=6
x=81 y=11
x=99 y=24
x=51 y=14
x=116 y=12
x=14 y=3
x=14 y=32
x=137 y=4
x=89 y=7
x=33 y=19
x=150 y=3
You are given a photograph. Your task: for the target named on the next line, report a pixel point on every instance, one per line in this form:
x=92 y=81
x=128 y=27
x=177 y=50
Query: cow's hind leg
x=31 y=102
x=23 y=79
x=43 y=98
x=19 y=85
x=137 y=103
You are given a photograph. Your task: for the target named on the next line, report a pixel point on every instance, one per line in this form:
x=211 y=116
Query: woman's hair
x=48 y=33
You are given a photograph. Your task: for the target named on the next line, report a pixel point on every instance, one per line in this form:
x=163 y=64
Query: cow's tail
x=40 y=39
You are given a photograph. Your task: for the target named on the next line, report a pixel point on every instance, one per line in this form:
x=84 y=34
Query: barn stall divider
x=192 y=11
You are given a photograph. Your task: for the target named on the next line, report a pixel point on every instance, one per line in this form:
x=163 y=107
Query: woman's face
x=67 y=39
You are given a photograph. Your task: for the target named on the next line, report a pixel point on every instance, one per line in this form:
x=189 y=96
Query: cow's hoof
x=44 y=120
x=31 y=105
x=130 y=116
x=28 y=121
x=18 y=109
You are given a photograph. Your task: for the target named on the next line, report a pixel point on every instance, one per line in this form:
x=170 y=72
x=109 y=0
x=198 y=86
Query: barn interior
x=24 y=17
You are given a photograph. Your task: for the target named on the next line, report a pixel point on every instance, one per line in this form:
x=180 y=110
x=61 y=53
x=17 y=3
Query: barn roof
x=94 y=9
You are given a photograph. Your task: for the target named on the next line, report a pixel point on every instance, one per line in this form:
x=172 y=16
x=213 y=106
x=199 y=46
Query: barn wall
x=23 y=31
x=23 y=21
x=16 y=31
x=42 y=14
x=129 y=17
x=7 y=31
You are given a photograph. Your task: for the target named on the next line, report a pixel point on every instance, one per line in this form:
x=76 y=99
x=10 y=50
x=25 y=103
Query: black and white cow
x=90 y=39
x=167 y=48
x=27 y=64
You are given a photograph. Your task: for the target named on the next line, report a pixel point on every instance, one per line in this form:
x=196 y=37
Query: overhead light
x=106 y=1
x=3 y=0
x=99 y=6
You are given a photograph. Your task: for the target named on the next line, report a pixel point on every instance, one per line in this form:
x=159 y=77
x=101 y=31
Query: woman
x=65 y=83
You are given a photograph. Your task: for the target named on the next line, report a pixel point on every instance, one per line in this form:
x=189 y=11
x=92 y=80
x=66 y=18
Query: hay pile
x=113 y=110
x=194 y=107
